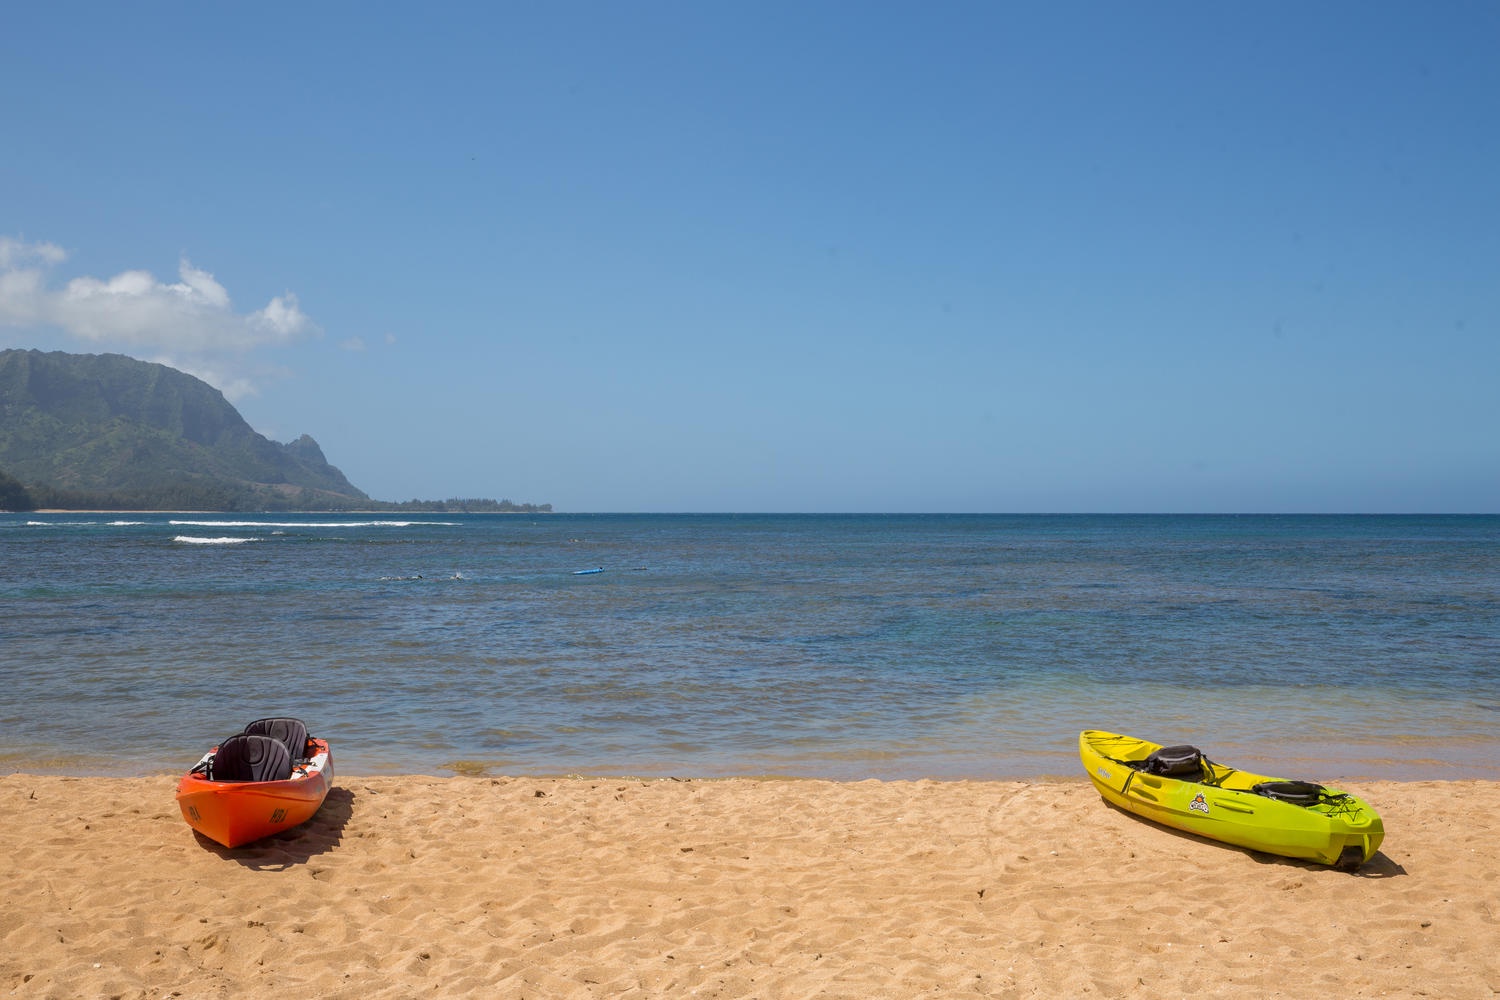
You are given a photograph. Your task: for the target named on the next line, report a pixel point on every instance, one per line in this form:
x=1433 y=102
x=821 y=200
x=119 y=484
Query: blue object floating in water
x=587 y=572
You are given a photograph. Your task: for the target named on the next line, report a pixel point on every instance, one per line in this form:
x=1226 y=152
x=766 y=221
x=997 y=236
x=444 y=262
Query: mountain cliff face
x=76 y=425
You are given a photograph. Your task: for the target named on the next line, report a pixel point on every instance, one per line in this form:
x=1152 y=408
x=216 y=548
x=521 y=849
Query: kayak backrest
x=251 y=758
x=291 y=732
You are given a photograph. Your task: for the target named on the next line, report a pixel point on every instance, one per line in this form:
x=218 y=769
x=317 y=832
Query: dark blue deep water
x=834 y=646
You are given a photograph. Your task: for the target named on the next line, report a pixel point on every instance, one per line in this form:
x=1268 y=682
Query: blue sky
x=826 y=256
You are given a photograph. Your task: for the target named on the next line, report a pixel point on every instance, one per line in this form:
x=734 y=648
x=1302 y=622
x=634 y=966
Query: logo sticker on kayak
x=1102 y=772
x=1199 y=803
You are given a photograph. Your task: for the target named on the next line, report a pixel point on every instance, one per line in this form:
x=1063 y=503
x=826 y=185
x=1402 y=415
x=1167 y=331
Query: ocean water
x=831 y=646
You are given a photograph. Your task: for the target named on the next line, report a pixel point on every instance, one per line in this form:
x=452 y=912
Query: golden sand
x=518 y=887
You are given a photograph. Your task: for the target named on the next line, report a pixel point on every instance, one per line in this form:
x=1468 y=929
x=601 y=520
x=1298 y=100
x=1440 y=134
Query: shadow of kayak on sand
x=1379 y=865
x=296 y=846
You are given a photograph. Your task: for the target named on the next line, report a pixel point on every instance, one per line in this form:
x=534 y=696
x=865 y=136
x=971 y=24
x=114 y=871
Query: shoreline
x=68 y=766
x=82 y=766
x=1059 y=767
x=730 y=887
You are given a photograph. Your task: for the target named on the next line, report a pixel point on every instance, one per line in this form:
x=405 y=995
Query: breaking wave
x=191 y=540
x=311 y=524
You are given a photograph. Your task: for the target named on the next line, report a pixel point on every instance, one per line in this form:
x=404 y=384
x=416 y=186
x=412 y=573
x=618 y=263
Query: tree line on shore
x=219 y=496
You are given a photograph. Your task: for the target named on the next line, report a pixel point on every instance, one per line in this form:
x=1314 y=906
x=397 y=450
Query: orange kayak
x=229 y=805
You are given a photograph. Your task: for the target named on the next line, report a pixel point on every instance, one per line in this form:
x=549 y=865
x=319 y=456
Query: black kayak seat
x=1179 y=761
x=1298 y=793
x=291 y=732
x=251 y=758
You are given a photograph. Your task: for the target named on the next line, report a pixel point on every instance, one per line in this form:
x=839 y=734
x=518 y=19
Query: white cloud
x=354 y=344
x=192 y=319
x=14 y=251
x=193 y=314
x=281 y=319
x=234 y=383
x=22 y=293
x=201 y=286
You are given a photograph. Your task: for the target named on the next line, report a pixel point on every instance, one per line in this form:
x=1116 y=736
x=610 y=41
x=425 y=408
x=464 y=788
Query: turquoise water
x=833 y=646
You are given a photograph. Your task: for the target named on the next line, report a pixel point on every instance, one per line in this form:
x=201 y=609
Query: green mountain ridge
x=110 y=432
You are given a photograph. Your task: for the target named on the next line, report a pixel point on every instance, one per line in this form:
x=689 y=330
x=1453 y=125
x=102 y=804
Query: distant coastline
x=540 y=509
x=109 y=433
x=88 y=510
x=377 y=507
x=54 y=511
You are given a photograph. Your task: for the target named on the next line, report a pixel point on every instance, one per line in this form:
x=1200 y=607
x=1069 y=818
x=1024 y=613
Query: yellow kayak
x=1180 y=788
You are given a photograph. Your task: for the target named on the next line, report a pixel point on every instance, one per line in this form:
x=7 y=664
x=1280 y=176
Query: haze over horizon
x=789 y=257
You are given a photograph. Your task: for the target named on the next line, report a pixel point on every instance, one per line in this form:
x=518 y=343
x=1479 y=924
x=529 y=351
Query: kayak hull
x=1343 y=830
x=239 y=812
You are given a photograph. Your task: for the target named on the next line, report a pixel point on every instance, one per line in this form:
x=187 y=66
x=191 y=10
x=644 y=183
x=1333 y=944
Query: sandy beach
x=576 y=887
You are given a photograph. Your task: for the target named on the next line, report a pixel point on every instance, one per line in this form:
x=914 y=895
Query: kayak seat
x=1182 y=762
x=291 y=732
x=1298 y=793
x=251 y=758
